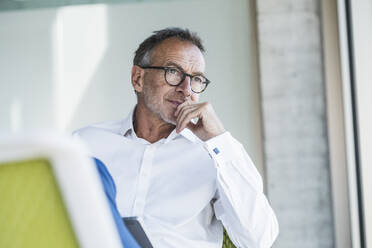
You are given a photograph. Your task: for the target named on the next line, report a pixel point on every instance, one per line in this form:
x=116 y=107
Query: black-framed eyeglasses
x=174 y=77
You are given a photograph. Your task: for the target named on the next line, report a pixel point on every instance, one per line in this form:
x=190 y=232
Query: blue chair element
x=110 y=190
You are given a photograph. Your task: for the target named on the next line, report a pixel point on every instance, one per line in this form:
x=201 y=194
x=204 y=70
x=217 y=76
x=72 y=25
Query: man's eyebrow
x=179 y=67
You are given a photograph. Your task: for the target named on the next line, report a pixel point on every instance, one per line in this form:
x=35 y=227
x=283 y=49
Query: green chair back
x=32 y=213
x=226 y=241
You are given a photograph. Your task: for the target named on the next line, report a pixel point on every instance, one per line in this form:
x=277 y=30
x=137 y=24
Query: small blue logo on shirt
x=216 y=150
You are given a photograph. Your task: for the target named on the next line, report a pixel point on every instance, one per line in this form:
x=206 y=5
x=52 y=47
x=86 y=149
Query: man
x=174 y=165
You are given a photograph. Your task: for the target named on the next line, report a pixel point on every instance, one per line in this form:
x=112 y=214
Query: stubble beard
x=155 y=107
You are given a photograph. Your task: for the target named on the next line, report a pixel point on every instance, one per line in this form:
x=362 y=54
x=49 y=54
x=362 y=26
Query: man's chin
x=170 y=120
x=173 y=122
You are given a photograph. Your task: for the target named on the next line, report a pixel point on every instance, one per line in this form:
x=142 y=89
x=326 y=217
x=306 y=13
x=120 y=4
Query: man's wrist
x=221 y=147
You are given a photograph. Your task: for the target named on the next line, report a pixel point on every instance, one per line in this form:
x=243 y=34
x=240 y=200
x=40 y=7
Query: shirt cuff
x=221 y=148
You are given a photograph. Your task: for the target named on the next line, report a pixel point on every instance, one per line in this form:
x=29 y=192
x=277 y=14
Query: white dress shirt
x=185 y=190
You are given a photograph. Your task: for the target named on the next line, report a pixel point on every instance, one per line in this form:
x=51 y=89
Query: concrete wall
x=295 y=123
x=63 y=68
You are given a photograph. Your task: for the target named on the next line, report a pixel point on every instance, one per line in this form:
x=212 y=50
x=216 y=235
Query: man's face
x=161 y=98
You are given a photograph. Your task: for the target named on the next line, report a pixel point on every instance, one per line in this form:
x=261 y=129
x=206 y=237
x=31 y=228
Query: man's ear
x=137 y=78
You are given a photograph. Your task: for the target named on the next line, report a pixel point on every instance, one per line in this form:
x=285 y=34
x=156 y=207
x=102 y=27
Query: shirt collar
x=127 y=124
x=127 y=129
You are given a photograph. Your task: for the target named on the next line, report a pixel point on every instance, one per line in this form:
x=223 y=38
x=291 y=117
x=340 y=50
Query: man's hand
x=208 y=125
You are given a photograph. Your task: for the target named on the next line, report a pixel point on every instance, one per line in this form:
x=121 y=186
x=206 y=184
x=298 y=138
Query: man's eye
x=173 y=71
x=198 y=79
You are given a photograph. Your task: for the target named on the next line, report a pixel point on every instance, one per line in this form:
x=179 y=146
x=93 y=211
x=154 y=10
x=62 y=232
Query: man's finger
x=181 y=117
x=184 y=110
x=186 y=118
x=179 y=107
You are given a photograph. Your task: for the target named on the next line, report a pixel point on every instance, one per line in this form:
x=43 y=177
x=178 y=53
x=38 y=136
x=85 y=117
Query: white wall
x=67 y=67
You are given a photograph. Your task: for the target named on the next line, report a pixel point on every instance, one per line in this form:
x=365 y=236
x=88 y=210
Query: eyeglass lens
x=175 y=76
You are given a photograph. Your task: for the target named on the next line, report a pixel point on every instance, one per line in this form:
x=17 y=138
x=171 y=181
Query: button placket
x=144 y=180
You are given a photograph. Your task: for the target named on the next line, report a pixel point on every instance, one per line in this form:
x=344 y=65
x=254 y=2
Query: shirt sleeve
x=240 y=203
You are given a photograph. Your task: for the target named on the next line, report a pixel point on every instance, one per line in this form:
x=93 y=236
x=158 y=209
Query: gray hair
x=143 y=53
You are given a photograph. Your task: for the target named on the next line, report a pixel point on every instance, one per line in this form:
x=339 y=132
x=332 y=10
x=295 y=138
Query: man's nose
x=185 y=86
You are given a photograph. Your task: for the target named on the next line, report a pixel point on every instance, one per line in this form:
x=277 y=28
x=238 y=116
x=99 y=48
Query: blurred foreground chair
x=51 y=196
x=227 y=243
